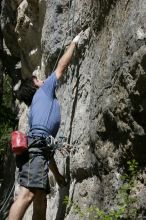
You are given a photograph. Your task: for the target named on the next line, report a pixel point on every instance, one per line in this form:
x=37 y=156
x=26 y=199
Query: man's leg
x=22 y=202
x=58 y=177
x=39 y=205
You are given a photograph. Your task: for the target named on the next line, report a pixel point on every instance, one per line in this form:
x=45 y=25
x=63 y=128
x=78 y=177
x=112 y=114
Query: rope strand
x=69 y=90
x=6 y=200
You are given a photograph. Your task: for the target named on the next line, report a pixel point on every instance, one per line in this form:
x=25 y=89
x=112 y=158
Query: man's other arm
x=66 y=58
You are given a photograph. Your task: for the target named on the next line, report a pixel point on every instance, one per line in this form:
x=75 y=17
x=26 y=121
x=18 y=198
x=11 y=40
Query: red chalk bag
x=18 y=142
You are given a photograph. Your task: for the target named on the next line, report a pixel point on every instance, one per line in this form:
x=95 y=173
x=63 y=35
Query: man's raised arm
x=66 y=58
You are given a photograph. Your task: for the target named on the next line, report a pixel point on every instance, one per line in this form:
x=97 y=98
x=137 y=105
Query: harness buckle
x=50 y=140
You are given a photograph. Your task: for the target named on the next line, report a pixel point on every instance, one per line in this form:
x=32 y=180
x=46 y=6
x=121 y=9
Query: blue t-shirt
x=44 y=116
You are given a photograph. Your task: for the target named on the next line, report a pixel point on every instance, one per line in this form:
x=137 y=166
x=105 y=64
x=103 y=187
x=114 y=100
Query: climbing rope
x=71 y=30
x=6 y=199
x=60 y=51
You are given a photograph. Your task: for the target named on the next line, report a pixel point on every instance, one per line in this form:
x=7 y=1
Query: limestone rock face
x=102 y=95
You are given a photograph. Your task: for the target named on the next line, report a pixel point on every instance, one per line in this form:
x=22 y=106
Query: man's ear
x=35 y=80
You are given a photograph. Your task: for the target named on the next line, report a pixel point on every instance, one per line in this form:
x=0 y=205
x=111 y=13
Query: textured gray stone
x=102 y=94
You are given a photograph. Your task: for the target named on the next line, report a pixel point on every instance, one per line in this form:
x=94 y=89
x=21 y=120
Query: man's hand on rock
x=82 y=38
x=77 y=38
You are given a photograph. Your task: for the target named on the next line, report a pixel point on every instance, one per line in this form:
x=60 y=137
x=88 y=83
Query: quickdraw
x=60 y=144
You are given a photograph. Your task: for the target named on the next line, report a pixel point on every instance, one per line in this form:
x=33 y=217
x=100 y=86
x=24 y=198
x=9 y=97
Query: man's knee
x=27 y=195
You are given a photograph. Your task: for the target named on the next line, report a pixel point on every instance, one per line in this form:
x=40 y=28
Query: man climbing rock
x=44 y=120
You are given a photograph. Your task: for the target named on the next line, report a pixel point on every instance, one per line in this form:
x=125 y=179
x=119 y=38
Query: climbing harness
x=50 y=145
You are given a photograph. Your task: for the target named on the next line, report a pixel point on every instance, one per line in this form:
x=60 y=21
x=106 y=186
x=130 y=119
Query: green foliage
x=7 y=117
x=124 y=194
x=125 y=201
x=7 y=91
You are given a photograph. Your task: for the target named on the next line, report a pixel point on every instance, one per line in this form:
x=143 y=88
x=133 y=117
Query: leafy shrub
x=7 y=116
x=124 y=209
